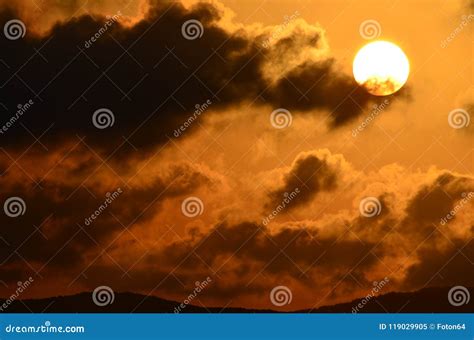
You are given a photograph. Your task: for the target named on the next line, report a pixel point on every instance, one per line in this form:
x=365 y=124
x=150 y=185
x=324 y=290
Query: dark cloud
x=151 y=78
x=244 y=259
x=220 y=254
x=320 y=86
x=310 y=174
x=443 y=266
x=435 y=201
x=54 y=232
x=443 y=256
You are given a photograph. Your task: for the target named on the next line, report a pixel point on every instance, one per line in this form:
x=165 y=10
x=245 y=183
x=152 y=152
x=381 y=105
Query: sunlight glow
x=381 y=67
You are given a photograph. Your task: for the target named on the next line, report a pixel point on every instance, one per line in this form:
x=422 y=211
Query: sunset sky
x=336 y=146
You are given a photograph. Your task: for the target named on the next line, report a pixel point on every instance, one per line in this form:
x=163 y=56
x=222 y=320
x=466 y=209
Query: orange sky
x=240 y=166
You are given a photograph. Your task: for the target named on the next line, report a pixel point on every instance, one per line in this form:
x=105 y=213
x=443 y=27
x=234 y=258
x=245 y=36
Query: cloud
x=41 y=15
x=442 y=246
x=152 y=81
x=57 y=231
x=320 y=245
x=311 y=173
x=443 y=266
x=324 y=258
x=238 y=272
x=324 y=241
x=327 y=260
x=436 y=200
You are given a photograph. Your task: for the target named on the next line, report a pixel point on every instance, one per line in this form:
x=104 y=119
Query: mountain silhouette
x=428 y=300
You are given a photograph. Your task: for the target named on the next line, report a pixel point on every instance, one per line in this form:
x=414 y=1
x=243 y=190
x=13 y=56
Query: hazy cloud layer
x=406 y=242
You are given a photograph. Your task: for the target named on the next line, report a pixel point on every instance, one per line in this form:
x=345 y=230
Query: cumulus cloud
x=57 y=229
x=324 y=259
x=311 y=173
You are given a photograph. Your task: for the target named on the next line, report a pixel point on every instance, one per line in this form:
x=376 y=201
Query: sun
x=381 y=67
